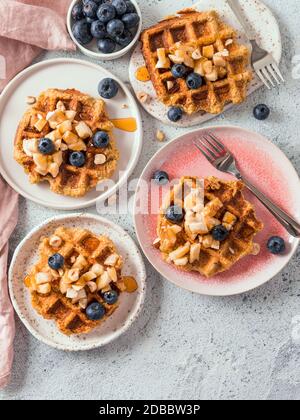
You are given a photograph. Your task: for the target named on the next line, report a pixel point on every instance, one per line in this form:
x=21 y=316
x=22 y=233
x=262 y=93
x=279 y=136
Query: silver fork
x=223 y=160
x=263 y=62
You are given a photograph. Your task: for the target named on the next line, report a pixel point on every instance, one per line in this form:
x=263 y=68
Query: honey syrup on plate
x=125 y=124
x=142 y=74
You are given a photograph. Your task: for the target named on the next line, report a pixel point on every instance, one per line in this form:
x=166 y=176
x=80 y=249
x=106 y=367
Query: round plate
x=63 y=74
x=263 y=164
x=267 y=33
x=46 y=331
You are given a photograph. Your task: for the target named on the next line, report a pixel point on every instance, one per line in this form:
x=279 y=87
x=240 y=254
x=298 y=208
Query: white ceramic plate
x=64 y=73
x=265 y=27
x=262 y=163
x=91 y=49
x=46 y=331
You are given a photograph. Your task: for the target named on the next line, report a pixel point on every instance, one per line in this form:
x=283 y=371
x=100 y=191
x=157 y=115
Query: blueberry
x=276 y=245
x=108 y=88
x=106 y=45
x=194 y=81
x=220 y=233
x=179 y=71
x=115 y=27
x=120 y=6
x=261 y=112
x=90 y=9
x=95 y=311
x=106 y=12
x=161 y=177
x=77 y=12
x=111 y=297
x=77 y=159
x=90 y=20
x=175 y=214
x=82 y=33
x=46 y=146
x=124 y=39
x=101 y=139
x=56 y=261
x=98 y=29
x=130 y=7
x=130 y=20
x=175 y=114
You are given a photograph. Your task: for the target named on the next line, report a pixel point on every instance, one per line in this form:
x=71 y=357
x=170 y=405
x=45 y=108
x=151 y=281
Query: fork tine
x=276 y=68
x=202 y=151
x=266 y=74
x=260 y=75
x=271 y=70
x=207 y=148
x=217 y=141
x=213 y=144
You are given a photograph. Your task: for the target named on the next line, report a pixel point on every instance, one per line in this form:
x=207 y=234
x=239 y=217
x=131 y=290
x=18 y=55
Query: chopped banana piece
x=195 y=253
x=83 y=130
x=181 y=261
x=44 y=289
x=208 y=51
x=180 y=252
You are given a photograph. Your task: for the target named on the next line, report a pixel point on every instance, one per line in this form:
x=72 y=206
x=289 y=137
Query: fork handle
x=242 y=19
x=286 y=221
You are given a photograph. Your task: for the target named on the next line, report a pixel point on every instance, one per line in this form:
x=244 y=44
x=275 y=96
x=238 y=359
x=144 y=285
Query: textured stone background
x=184 y=345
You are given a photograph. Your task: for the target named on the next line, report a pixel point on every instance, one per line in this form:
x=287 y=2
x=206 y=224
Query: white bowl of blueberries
x=105 y=29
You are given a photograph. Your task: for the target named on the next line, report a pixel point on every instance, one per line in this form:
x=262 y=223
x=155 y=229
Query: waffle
x=191 y=30
x=87 y=253
x=191 y=247
x=70 y=180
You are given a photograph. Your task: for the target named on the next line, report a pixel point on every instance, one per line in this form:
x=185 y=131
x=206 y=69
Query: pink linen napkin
x=26 y=28
x=8 y=219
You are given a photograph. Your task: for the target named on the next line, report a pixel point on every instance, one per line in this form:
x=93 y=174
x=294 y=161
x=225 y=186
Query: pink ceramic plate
x=265 y=165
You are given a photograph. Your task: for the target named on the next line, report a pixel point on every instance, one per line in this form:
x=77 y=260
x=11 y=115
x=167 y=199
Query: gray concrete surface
x=184 y=345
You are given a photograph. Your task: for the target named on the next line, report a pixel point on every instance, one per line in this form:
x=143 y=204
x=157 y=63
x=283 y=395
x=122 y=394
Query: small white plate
x=46 y=331
x=264 y=165
x=91 y=49
x=63 y=74
x=267 y=33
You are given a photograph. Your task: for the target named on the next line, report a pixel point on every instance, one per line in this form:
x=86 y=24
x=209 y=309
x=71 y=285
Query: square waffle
x=222 y=202
x=91 y=267
x=70 y=180
x=200 y=31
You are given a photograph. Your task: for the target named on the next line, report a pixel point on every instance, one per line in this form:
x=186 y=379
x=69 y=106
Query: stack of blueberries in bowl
x=104 y=28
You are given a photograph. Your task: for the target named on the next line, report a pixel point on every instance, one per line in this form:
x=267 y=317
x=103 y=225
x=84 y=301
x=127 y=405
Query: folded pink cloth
x=26 y=28
x=8 y=218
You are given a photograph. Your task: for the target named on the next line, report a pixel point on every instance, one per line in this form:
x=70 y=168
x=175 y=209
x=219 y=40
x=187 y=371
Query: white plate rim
x=206 y=117
x=144 y=249
x=131 y=319
x=138 y=136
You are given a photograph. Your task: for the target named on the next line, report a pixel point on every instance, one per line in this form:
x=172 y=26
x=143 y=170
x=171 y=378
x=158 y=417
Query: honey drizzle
x=125 y=124
x=142 y=74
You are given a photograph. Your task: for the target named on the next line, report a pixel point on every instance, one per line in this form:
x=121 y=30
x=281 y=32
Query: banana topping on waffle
x=204 y=45
x=76 y=272
x=54 y=142
x=206 y=225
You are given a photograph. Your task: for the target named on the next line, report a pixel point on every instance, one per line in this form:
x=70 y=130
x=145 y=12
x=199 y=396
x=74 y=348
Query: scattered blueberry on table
x=113 y=23
x=175 y=114
x=46 y=146
x=220 y=233
x=261 y=112
x=161 y=177
x=95 y=311
x=56 y=261
x=174 y=214
x=108 y=88
x=101 y=139
x=276 y=245
x=77 y=159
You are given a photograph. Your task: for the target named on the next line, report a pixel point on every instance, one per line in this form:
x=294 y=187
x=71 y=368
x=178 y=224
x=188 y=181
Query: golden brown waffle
x=82 y=249
x=223 y=200
x=197 y=29
x=71 y=181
